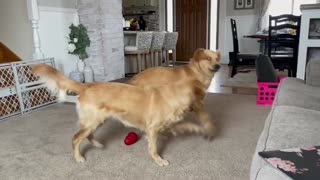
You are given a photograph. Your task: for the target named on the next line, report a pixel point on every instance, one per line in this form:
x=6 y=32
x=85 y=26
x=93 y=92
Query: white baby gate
x=20 y=90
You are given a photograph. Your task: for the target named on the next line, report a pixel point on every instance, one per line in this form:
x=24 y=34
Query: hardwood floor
x=221 y=76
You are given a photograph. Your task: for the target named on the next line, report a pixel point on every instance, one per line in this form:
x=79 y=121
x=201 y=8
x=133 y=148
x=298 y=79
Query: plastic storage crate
x=267 y=91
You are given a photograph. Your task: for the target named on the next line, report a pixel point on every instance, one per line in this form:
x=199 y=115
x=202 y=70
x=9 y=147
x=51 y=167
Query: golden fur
x=151 y=109
x=202 y=67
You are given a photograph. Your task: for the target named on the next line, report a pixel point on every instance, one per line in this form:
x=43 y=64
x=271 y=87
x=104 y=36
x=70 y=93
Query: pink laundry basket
x=267 y=91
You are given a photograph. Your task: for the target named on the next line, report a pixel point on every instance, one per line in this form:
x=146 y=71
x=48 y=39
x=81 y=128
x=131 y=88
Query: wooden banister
x=6 y=55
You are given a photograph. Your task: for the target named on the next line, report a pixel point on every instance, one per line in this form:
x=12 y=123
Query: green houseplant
x=78 y=41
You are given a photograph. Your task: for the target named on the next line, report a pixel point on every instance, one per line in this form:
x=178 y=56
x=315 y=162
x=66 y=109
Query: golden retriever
x=150 y=109
x=202 y=67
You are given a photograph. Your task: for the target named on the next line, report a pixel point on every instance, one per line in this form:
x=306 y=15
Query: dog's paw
x=209 y=138
x=162 y=162
x=80 y=159
x=210 y=133
x=98 y=145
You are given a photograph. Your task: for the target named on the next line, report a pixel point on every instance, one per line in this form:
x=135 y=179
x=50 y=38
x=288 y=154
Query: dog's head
x=208 y=61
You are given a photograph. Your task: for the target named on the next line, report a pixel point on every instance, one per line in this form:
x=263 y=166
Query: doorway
x=196 y=23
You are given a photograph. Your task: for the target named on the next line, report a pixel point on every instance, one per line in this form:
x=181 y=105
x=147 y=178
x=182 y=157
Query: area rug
x=242 y=80
x=38 y=146
x=247 y=80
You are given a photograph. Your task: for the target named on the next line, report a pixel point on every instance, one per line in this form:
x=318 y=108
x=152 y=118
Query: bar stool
x=143 y=44
x=170 y=43
x=156 y=47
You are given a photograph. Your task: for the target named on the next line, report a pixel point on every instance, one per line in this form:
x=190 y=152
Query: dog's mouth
x=215 y=68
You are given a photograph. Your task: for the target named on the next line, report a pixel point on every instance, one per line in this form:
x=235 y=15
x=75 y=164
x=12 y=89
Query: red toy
x=131 y=138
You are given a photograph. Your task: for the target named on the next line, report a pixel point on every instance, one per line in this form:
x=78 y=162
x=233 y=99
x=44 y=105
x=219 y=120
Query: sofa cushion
x=285 y=127
x=294 y=92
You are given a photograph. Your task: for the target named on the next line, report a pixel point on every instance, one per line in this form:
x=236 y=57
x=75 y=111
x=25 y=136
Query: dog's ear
x=198 y=54
x=218 y=56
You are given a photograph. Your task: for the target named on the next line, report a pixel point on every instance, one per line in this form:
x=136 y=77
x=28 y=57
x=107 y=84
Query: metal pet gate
x=20 y=90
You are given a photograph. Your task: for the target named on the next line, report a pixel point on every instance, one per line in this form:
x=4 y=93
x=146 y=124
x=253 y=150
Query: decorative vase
x=80 y=65
x=88 y=73
x=77 y=76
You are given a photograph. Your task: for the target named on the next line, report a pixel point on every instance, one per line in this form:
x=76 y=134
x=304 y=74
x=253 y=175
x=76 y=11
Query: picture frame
x=243 y=4
x=239 y=4
x=249 y=4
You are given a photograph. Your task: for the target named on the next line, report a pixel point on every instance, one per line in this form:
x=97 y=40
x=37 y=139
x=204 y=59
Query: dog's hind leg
x=183 y=127
x=206 y=121
x=152 y=135
x=86 y=128
x=94 y=141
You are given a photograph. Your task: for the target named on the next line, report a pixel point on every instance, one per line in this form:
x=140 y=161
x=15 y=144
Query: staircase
x=6 y=55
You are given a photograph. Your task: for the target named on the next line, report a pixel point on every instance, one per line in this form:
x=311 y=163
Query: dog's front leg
x=152 y=147
x=76 y=140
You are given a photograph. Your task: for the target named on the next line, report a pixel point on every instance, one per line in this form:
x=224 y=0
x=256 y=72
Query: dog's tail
x=57 y=83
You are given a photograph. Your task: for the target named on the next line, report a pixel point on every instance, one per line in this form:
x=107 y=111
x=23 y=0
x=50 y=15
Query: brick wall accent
x=103 y=19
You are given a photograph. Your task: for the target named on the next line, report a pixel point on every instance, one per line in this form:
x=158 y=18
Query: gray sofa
x=293 y=122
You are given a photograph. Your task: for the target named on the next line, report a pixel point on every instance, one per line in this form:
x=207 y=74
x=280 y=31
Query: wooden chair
x=283 y=42
x=170 y=43
x=156 y=47
x=236 y=58
x=143 y=45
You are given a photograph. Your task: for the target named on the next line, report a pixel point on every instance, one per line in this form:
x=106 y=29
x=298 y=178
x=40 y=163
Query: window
x=297 y=3
x=278 y=7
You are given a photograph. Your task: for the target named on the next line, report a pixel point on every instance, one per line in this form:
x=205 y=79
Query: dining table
x=262 y=40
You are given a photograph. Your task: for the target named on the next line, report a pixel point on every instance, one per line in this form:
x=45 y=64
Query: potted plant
x=77 y=44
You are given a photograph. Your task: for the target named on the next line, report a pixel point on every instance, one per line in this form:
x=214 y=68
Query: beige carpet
x=38 y=146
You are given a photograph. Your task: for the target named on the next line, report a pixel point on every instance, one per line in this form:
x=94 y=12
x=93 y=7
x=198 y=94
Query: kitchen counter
x=130 y=37
x=130 y=32
x=133 y=32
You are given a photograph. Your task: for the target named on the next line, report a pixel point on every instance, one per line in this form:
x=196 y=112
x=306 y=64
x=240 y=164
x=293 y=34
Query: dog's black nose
x=216 y=67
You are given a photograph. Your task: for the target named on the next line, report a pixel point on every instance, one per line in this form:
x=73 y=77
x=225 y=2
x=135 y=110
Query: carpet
x=38 y=146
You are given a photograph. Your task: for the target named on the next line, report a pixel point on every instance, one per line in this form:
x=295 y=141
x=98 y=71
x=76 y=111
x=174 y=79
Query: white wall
x=15 y=30
x=53 y=27
x=246 y=25
x=213 y=25
x=58 y=3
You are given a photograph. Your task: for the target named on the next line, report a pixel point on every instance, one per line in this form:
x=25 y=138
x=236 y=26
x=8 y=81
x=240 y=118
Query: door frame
x=209 y=15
